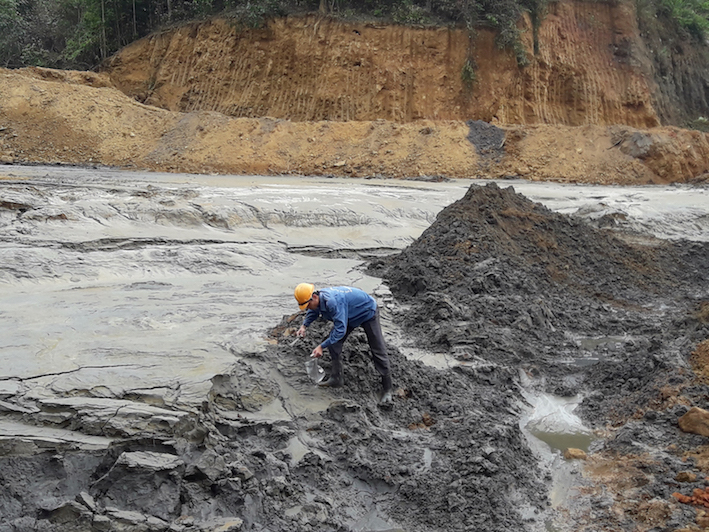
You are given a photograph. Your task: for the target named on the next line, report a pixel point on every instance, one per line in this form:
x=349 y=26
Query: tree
x=10 y=33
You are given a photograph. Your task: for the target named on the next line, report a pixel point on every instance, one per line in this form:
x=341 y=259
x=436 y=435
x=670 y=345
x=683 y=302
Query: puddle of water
x=297 y=450
x=561 y=441
x=591 y=343
x=373 y=522
x=428 y=358
x=552 y=423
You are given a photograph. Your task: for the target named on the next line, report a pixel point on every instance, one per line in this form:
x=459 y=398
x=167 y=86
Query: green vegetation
x=689 y=16
x=700 y=124
x=82 y=33
x=467 y=74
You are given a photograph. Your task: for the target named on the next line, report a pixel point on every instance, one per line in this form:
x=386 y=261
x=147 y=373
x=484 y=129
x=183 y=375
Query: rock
x=575 y=454
x=211 y=465
x=149 y=460
x=686 y=476
x=638 y=145
x=100 y=416
x=87 y=500
x=696 y=421
x=147 y=482
x=222 y=524
x=101 y=523
x=156 y=524
x=132 y=518
x=242 y=472
x=69 y=512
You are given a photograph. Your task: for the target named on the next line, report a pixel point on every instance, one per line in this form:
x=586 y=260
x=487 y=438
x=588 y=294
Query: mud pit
x=200 y=415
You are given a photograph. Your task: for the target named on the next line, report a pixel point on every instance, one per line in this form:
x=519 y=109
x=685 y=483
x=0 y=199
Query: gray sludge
x=497 y=282
x=500 y=280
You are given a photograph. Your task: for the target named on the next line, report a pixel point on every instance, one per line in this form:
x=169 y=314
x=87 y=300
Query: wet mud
x=521 y=300
x=501 y=280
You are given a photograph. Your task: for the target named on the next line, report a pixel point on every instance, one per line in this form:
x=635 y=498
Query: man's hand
x=317 y=352
x=300 y=333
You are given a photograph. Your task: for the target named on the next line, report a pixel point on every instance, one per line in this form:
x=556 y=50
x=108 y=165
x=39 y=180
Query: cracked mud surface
x=180 y=401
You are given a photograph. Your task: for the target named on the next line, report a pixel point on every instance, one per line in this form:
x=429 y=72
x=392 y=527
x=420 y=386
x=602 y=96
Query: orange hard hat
x=303 y=294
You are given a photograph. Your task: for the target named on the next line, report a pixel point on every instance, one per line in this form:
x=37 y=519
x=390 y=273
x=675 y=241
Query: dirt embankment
x=79 y=119
x=311 y=69
x=318 y=97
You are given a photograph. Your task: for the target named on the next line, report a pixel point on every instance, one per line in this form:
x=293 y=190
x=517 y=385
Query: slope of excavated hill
x=78 y=118
x=310 y=95
x=594 y=65
x=309 y=68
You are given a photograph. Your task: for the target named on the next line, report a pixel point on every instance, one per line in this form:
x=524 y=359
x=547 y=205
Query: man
x=347 y=308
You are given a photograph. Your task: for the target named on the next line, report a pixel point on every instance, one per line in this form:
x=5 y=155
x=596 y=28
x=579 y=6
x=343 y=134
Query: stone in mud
x=88 y=501
x=686 y=476
x=209 y=465
x=100 y=416
x=696 y=421
x=101 y=523
x=69 y=512
x=147 y=482
x=575 y=454
x=126 y=516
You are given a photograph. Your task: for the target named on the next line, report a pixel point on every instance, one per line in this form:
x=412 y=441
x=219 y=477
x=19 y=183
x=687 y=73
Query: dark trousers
x=375 y=338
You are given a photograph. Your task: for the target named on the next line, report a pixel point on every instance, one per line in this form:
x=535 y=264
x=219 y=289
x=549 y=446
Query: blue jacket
x=345 y=307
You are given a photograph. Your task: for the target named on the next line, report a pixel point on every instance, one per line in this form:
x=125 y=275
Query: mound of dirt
x=501 y=277
x=492 y=225
x=498 y=279
x=439 y=458
x=57 y=117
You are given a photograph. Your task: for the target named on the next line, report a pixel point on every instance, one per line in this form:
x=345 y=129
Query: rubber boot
x=387 y=397
x=335 y=380
x=386 y=384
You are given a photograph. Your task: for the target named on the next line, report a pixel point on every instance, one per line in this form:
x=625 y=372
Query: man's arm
x=310 y=317
x=338 y=310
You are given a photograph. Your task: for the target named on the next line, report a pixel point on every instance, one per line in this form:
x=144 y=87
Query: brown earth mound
x=78 y=119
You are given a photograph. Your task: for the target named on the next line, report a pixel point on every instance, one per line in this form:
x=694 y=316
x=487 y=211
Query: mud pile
x=447 y=455
x=500 y=280
x=523 y=298
x=502 y=277
x=73 y=118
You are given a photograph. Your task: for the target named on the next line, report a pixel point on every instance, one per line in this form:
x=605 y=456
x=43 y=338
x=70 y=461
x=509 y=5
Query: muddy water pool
x=118 y=286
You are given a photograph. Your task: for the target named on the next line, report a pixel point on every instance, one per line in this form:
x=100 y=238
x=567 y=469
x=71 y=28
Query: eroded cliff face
x=679 y=69
x=592 y=68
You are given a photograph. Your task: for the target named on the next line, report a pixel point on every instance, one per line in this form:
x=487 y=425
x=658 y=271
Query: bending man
x=347 y=308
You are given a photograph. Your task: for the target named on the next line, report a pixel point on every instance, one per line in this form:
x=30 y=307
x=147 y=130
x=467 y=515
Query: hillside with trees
x=79 y=34
x=593 y=92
